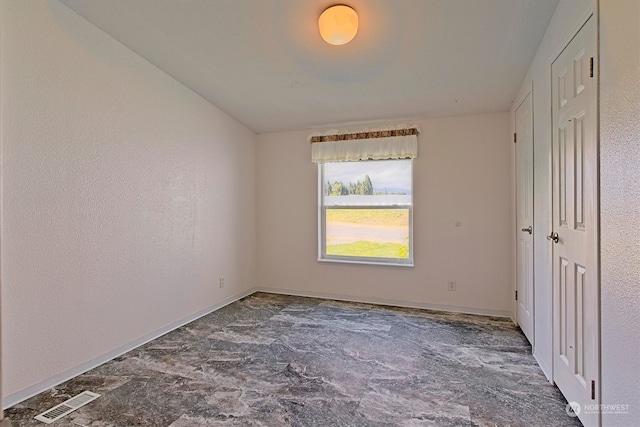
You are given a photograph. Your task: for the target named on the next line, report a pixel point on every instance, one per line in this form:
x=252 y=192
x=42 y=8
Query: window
x=365 y=194
x=366 y=211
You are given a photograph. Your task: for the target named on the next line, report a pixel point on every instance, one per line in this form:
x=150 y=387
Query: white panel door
x=575 y=223
x=524 y=217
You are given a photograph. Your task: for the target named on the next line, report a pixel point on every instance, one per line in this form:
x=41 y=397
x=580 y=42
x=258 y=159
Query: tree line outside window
x=360 y=188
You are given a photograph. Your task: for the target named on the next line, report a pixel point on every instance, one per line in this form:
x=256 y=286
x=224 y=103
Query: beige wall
x=126 y=196
x=1 y=352
x=1 y=394
x=462 y=174
x=620 y=207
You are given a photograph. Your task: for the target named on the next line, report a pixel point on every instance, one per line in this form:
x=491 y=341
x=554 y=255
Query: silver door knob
x=529 y=230
x=554 y=237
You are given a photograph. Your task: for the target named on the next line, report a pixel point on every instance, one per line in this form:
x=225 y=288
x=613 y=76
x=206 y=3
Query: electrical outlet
x=451 y=285
x=222 y=282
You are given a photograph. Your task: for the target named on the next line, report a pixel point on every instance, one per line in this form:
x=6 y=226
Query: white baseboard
x=394 y=303
x=546 y=370
x=38 y=388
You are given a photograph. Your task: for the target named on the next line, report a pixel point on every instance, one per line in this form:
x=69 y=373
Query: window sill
x=358 y=262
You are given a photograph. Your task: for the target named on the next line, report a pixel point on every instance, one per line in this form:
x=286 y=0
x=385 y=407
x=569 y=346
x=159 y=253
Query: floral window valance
x=398 y=142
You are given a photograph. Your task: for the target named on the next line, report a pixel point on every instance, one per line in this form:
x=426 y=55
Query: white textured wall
x=620 y=206
x=1 y=406
x=126 y=196
x=567 y=20
x=462 y=174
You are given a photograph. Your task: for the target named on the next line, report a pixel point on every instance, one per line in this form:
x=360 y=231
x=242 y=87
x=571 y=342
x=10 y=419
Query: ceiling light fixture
x=338 y=24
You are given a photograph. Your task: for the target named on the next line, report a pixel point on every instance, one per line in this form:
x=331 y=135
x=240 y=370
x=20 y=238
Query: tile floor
x=274 y=360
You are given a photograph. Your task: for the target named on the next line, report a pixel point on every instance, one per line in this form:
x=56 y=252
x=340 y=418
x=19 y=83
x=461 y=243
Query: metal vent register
x=66 y=407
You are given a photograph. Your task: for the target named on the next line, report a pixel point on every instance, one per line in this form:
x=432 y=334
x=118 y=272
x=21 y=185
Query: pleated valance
x=397 y=142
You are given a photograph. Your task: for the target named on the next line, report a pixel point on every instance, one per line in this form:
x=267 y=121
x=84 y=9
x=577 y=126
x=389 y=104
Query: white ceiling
x=264 y=63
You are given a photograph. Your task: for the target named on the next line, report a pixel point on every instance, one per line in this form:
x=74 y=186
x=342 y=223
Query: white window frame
x=322 y=253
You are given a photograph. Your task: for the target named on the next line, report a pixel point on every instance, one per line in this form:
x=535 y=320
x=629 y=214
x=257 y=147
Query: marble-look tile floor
x=274 y=360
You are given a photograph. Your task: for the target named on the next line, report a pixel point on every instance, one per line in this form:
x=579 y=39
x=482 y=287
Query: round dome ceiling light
x=338 y=24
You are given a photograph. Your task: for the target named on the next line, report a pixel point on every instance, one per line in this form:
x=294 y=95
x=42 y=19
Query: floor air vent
x=66 y=407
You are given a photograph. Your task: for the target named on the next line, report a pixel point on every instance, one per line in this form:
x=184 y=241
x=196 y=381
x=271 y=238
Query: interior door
x=575 y=223
x=524 y=217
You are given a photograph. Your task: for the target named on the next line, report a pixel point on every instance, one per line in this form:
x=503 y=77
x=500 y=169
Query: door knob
x=529 y=230
x=554 y=237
